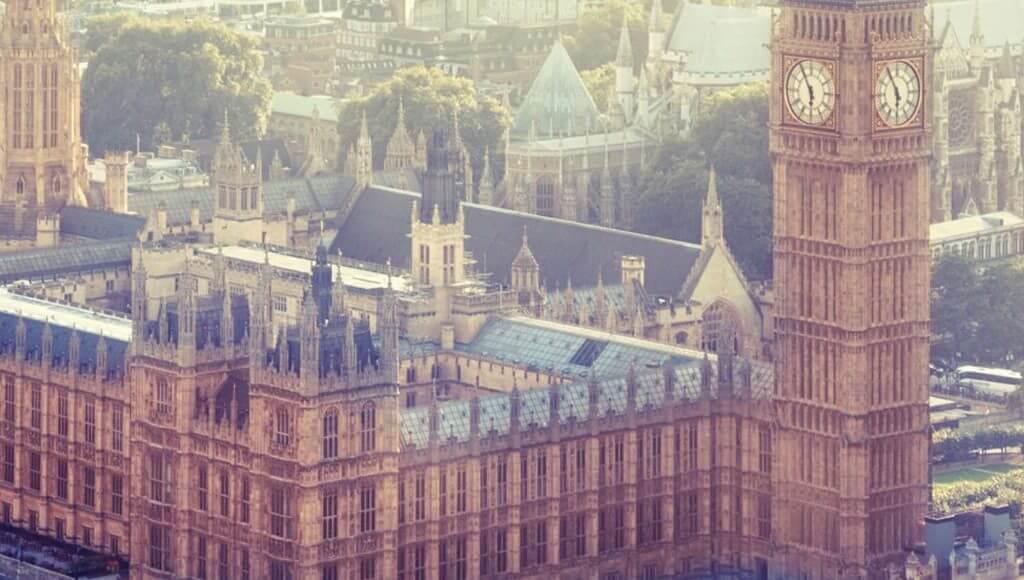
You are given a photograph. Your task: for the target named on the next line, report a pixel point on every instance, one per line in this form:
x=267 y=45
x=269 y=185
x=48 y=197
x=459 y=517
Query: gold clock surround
x=916 y=118
x=791 y=66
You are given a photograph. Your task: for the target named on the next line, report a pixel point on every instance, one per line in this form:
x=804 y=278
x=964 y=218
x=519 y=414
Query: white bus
x=990 y=381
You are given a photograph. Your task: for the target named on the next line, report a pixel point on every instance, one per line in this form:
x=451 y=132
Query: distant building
x=303 y=52
x=975 y=545
x=42 y=157
x=304 y=120
x=363 y=24
x=168 y=170
x=566 y=159
x=448 y=15
x=983 y=237
x=484 y=51
x=977 y=83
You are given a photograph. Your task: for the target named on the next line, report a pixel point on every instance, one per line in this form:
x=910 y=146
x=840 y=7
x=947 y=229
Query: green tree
x=599 y=82
x=732 y=134
x=176 y=75
x=100 y=29
x=430 y=98
x=596 y=39
x=954 y=288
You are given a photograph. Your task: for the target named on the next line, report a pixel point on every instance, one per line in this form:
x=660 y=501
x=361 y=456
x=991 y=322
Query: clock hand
x=807 y=81
x=895 y=88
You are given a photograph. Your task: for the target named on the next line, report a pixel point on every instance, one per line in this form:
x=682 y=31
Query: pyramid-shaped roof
x=558 y=103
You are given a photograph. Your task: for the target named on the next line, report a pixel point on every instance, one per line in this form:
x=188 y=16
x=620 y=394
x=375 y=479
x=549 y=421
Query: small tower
x=388 y=329
x=486 y=194
x=239 y=201
x=977 y=42
x=655 y=33
x=525 y=273
x=438 y=224
x=314 y=161
x=401 y=151
x=711 y=223
x=115 y=187
x=364 y=155
x=624 y=82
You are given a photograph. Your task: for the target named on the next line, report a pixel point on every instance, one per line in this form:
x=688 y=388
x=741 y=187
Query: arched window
x=331 y=435
x=545 y=196
x=283 y=434
x=55 y=185
x=681 y=337
x=20 y=186
x=368 y=428
x=719 y=327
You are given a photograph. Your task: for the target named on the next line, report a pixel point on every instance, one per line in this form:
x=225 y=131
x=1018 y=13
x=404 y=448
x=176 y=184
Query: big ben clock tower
x=850 y=144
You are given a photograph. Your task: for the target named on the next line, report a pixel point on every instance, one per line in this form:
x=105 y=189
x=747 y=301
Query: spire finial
x=624 y=56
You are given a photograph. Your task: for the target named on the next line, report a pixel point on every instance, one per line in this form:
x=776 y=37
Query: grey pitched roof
x=49 y=262
x=64 y=320
x=98 y=224
x=557 y=101
x=312 y=194
x=574 y=401
x=726 y=42
x=377 y=227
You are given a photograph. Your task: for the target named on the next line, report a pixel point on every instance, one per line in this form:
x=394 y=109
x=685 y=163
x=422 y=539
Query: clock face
x=897 y=93
x=811 y=91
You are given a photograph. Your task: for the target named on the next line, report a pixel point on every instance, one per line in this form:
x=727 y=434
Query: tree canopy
x=430 y=98
x=977 y=313
x=596 y=39
x=600 y=82
x=170 y=80
x=732 y=135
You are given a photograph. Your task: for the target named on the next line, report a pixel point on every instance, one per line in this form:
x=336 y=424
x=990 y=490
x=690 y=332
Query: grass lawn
x=977 y=473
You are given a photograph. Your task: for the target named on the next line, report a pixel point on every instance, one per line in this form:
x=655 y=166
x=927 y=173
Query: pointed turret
x=711 y=225
x=525 y=269
x=187 y=306
x=977 y=41
x=401 y=151
x=655 y=32
x=388 y=327
x=322 y=282
x=486 y=194
x=624 y=82
x=364 y=155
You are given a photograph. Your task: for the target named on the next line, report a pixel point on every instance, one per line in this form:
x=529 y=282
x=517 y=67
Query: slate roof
x=63 y=318
x=495 y=417
x=98 y=224
x=55 y=261
x=376 y=230
x=312 y=194
x=557 y=102
x=558 y=348
x=726 y=43
x=972 y=226
x=296 y=105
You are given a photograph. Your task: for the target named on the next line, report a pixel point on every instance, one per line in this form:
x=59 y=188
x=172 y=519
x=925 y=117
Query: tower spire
x=711 y=214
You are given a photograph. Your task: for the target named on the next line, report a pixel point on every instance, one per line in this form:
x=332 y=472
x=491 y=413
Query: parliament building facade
x=424 y=430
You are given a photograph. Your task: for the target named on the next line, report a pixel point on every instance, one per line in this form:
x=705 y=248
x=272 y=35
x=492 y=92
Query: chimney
x=161 y=217
x=632 y=269
x=193 y=217
x=115 y=188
